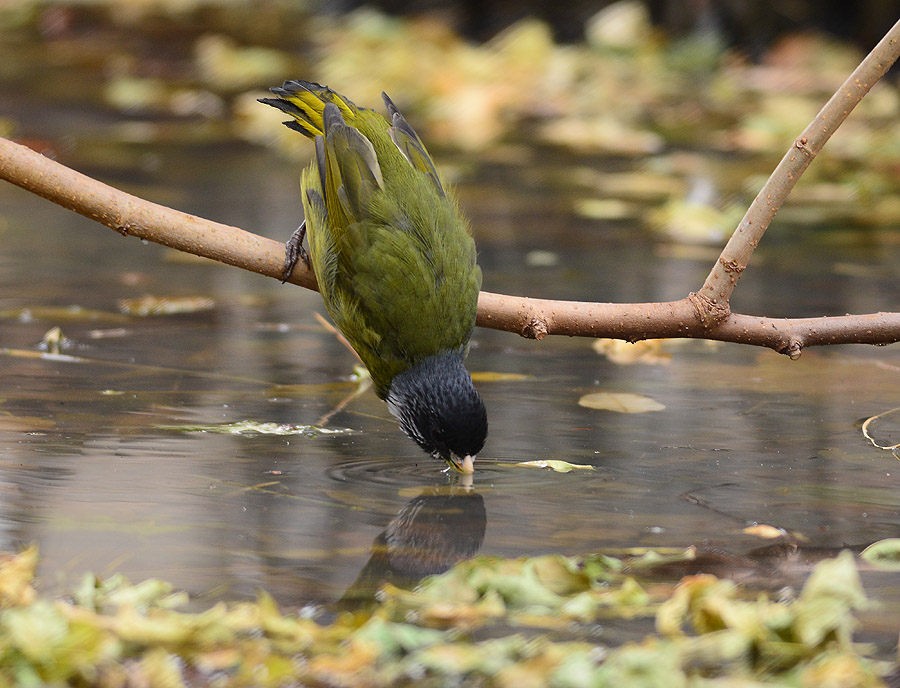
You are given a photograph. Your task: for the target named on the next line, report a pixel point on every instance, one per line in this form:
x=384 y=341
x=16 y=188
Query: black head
x=439 y=408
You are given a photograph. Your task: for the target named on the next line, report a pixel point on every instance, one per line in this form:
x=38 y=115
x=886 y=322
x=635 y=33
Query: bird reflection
x=436 y=529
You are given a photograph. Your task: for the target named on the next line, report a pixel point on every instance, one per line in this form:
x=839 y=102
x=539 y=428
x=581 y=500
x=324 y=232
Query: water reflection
x=436 y=529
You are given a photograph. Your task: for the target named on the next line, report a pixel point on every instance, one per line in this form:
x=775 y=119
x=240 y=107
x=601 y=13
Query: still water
x=100 y=466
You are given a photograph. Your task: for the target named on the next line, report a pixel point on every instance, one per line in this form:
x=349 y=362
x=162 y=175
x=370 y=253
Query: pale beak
x=466 y=465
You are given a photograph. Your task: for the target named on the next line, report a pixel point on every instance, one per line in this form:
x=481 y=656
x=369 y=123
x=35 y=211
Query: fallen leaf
x=606 y=209
x=249 y=427
x=625 y=353
x=884 y=554
x=16 y=574
x=553 y=464
x=489 y=376
x=541 y=259
x=165 y=305
x=764 y=531
x=620 y=402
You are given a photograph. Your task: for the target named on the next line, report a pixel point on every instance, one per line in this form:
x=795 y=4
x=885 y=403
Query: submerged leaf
x=620 y=402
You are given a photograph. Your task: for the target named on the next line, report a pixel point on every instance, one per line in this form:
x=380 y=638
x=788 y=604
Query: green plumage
x=393 y=257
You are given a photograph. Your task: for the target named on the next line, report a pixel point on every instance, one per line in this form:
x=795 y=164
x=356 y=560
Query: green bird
x=395 y=263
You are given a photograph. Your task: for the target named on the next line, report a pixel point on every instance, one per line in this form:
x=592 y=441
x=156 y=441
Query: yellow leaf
x=625 y=353
x=620 y=402
x=884 y=554
x=489 y=376
x=764 y=531
x=16 y=574
x=165 y=305
x=553 y=464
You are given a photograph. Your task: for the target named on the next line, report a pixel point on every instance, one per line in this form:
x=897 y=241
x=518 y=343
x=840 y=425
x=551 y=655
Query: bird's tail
x=305 y=102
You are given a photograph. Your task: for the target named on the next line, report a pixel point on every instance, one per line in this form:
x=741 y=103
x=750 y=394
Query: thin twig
x=337 y=334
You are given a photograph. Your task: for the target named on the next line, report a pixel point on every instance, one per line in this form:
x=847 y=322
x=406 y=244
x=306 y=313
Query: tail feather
x=305 y=102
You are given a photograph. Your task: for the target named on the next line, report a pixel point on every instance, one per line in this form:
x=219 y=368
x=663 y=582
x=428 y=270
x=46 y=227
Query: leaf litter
x=709 y=631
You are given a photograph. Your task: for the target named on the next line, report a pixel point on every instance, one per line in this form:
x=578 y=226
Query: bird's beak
x=466 y=465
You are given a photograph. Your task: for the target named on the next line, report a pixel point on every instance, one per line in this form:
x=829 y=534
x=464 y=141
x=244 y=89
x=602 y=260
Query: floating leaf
x=541 y=259
x=225 y=65
x=764 y=531
x=884 y=554
x=249 y=427
x=694 y=222
x=490 y=376
x=165 y=305
x=620 y=402
x=60 y=314
x=54 y=341
x=606 y=209
x=552 y=464
x=626 y=353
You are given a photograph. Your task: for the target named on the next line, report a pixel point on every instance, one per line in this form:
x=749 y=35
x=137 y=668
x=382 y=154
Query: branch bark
x=706 y=314
x=132 y=216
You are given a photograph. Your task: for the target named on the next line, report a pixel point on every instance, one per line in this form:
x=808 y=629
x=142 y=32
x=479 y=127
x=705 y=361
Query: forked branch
x=705 y=314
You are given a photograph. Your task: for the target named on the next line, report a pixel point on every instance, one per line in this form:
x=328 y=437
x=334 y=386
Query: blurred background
x=166 y=416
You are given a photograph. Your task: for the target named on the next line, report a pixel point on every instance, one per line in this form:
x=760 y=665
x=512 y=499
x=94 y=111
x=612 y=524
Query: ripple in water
x=488 y=473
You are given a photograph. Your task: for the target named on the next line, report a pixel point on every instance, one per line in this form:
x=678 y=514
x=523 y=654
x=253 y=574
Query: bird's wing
x=393 y=258
x=410 y=145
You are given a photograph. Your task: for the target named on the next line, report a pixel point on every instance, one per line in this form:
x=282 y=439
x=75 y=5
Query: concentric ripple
x=493 y=473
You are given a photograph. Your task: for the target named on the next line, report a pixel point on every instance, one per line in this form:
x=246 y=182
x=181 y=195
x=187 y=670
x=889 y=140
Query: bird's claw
x=293 y=251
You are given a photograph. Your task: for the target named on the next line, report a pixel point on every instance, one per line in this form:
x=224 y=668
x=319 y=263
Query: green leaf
x=884 y=554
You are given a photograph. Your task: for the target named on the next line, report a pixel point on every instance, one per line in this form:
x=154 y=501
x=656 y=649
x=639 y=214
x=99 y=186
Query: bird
x=395 y=261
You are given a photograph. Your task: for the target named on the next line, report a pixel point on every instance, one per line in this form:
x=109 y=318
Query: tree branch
x=132 y=216
x=705 y=315
x=722 y=279
x=536 y=318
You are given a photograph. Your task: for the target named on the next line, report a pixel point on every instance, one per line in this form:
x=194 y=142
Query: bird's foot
x=293 y=250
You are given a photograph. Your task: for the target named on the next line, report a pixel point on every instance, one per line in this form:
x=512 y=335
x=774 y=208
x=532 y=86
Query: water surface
x=96 y=465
